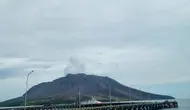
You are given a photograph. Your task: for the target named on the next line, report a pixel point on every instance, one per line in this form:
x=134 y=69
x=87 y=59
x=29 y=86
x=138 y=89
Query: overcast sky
x=140 y=43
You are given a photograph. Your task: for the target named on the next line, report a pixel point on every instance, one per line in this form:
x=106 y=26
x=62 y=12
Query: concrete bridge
x=105 y=106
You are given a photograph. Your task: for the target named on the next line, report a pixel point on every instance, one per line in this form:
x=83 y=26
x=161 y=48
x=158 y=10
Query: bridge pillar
x=136 y=108
x=132 y=108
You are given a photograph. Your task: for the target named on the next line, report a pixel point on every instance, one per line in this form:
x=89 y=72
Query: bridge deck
x=105 y=106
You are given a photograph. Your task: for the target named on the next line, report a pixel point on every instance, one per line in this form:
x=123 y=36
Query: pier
x=103 y=106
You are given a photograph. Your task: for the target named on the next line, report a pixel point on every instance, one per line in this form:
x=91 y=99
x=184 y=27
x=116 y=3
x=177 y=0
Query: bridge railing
x=165 y=104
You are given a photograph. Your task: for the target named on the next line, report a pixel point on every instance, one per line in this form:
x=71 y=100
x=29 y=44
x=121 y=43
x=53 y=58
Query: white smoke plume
x=74 y=66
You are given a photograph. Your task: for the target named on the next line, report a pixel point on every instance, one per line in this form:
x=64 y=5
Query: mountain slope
x=90 y=85
x=66 y=88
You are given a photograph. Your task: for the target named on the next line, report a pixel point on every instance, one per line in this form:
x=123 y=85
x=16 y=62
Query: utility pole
x=79 y=97
x=149 y=94
x=109 y=94
x=27 y=88
x=129 y=94
x=140 y=93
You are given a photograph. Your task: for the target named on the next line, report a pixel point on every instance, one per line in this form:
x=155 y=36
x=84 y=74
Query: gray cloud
x=122 y=39
x=54 y=31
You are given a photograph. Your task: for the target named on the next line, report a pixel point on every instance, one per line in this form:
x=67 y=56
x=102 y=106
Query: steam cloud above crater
x=74 y=66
